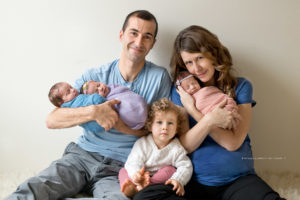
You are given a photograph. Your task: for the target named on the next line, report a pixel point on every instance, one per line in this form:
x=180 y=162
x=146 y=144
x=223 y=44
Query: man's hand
x=120 y=126
x=177 y=186
x=124 y=128
x=105 y=114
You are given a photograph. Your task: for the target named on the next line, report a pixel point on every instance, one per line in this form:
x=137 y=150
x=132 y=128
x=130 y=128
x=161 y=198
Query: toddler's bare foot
x=129 y=188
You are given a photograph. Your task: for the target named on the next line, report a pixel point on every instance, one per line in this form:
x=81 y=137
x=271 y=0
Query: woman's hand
x=222 y=118
x=234 y=138
x=186 y=99
x=237 y=118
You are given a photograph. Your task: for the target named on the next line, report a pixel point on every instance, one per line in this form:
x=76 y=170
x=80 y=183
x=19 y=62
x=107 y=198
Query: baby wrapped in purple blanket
x=132 y=109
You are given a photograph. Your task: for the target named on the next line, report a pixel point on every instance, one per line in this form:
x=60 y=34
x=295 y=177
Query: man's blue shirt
x=152 y=83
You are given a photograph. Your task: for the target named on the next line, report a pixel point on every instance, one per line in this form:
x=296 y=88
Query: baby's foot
x=128 y=188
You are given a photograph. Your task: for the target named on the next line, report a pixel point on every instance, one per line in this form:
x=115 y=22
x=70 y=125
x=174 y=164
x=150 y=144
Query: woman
x=219 y=149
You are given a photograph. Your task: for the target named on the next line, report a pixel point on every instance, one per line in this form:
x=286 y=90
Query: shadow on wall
x=274 y=130
x=162 y=51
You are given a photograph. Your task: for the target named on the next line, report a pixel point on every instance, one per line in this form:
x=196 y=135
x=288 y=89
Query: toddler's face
x=97 y=87
x=190 y=85
x=67 y=92
x=164 y=127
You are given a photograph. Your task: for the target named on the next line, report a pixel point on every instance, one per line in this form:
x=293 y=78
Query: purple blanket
x=132 y=109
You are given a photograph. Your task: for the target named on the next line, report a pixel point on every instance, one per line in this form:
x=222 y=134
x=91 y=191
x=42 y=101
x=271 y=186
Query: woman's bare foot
x=128 y=188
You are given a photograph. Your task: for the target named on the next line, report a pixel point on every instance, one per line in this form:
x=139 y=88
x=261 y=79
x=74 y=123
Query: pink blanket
x=208 y=97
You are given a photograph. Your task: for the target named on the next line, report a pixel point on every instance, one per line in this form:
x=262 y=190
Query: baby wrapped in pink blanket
x=206 y=98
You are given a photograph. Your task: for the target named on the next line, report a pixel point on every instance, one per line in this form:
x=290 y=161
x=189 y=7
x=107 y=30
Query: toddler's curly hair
x=163 y=105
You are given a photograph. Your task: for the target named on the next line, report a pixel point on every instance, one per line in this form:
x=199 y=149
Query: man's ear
x=121 y=35
x=153 y=43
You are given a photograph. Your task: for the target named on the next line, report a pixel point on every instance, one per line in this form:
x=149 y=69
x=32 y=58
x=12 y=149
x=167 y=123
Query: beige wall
x=42 y=42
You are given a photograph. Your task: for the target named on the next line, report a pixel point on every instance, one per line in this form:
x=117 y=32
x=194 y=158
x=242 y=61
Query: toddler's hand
x=177 y=186
x=141 y=178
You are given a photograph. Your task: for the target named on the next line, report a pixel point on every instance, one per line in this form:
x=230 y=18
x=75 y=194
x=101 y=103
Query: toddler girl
x=158 y=157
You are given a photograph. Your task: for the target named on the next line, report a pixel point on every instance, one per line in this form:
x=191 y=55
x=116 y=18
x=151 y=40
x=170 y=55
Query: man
x=92 y=165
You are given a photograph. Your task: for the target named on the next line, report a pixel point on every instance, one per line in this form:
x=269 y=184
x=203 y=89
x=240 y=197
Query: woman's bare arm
x=192 y=139
x=229 y=139
x=189 y=104
x=234 y=138
x=219 y=117
x=222 y=131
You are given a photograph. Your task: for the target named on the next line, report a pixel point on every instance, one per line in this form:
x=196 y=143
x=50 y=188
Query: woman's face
x=200 y=66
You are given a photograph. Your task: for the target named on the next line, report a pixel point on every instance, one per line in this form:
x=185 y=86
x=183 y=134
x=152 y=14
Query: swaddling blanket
x=208 y=97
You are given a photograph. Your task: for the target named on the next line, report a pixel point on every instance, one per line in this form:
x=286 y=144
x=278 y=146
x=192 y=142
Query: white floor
x=285 y=183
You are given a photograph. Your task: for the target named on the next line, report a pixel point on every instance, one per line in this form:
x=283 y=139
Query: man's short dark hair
x=142 y=14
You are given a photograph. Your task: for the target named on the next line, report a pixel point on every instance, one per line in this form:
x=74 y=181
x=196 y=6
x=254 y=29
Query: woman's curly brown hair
x=196 y=39
x=163 y=105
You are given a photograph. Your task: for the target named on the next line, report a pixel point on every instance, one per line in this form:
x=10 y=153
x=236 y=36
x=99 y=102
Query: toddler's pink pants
x=161 y=176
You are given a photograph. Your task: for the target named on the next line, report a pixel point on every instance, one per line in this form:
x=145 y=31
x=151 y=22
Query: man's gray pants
x=76 y=172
